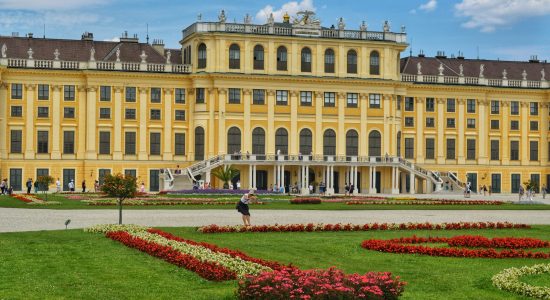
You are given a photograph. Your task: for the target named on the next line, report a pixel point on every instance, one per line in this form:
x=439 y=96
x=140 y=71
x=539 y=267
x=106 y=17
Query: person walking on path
x=71 y=186
x=57 y=186
x=543 y=191
x=29 y=186
x=242 y=206
x=520 y=193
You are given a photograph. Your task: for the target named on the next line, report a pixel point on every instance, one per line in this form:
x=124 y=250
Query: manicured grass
x=73 y=264
x=537 y=280
x=276 y=202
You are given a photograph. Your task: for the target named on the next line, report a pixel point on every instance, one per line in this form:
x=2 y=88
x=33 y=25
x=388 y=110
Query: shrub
x=305 y=201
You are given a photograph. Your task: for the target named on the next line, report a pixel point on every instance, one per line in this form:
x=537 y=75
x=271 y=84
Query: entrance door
x=68 y=174
x=378 y=183
x=261 y=180
x=516 y=182
x=154 y=180
x=472 y=179
x=495 y=183
x=287 y=181
x=358 y=182
x=535 y=178
x=235 y=180
x=336 y=182
x=16 y=179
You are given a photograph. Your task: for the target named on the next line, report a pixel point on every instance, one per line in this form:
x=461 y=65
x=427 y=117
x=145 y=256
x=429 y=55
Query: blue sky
x=503 y=29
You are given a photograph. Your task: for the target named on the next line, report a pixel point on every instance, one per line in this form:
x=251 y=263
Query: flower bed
x=31 y=200
x=155 y=202
x=319 y=284
x=423 y=202
x=215 y=192
x=509 y=280
x=352 y=227
x=488 y=247
x=305 y=201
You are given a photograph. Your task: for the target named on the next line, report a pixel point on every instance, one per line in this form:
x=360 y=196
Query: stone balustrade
x=462 y=80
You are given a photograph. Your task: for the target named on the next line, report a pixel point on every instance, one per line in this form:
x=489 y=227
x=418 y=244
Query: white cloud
x=36 y=5
x=487 y=15
x=291 y=8
x=23 y=20
x=428 y=6
x=113 y=39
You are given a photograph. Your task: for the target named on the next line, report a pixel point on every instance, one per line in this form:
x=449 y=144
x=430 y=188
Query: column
x=483 y=135
x=318 y=149
x=276 y=175
x=293 y=123
x=331 y=179
x=210 y=130
x=395 y=180
x=282 y=177
x=250 y=183
x=355 y=190
x=207 y=177
x=247 y=132
x=544 y=136
x=341 y=132
x=524 y=152
x=270 y=134
x=363 y=135
x=374 y=180
x=117 y=117
x=222 y=94
x=142 y=138
x=440 y=131
x=254 y=176
x=419 y=130
x=387 y=119
x=461 y=134
x=505 y=144
x=82 y=121
x=190 y=134
x=412 y=183
x=168 y=153
x=3 y=120
x=29 y=122
x=403 y=182
x=56 y=121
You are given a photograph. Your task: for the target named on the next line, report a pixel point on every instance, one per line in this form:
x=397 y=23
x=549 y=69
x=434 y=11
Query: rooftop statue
x=56 y=54
x=92 y=54
x=481 y=70
x=504 y=73
x=4 y=49
x=524 y=75
x=118 y=54
x=441 y=69
x=419 y=68
x=542 y=75
x=461 y=70
x=307 y=18
x=168 y=56
x=222 y=18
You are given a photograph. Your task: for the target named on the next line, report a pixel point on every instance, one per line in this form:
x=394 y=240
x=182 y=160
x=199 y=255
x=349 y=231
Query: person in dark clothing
x=84 y=186
x=29 y=186
x=242 y=206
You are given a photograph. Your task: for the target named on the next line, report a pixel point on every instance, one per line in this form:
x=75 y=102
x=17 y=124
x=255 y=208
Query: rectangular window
x=130 y=143
x=130 y=94
x=470 y=149
x=130 y=114
x=102 y=173
x=199 y=95
x=69 y=92
x=68 y=142
x=451 y=149
x=281 y=97
x=514 y=108
x=471 y=106
x=495 y=183
x=450 y=122
x=179 y=144
x=471 y=123
x=430 y=148
x=330 y=99
x=16 y=140
x=409 y=121
x=155 y=114
x=495 y=150
x=409 y=104
x=68 y=112
x=495 y=124
x=104 y=113
x=43 y=112
x=430 y=104
x=374 y=100
x=451 y=105
x=305 y=98
x=534 y=108
x=16 y=111
x=17 y=91
x=154 y=181
x=352 y=99
x=258 y=97
x=535 y=179
x=514 y=125
x=533 y=151
x=534 y=125
x=42 y=142
x=409 y=148
x=43 y=92
x=154 y=143
x=155 y=95
x=104 y=93
x=104 y=142
x=130 y=172
x=180 y=96
x=516 y=182
x=430 y=122
x=234 y=96
x=495 y=107
x=180 y=115
x=514 y=150
x=16 y=179
x=42 y=172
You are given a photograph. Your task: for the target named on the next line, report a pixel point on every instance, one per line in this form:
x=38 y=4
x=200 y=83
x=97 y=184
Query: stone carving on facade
x=92 y=54
x=419 y=68
x=247 y=91
x=504 y=73
x=56 y=54
x=168 y=57
x=247 y=19
x=307 y=19
x=341 y=24
x=363 y=26
x=118 y=54
x=270 y=92
x=386 y=26
x=271 y=19
x=222 y=91
x=524 y=75
x=118 y=88
x=461 y=70
x=481 y=70
x=56 y=88
x=542 y=75
x=30 y=53
x=4 y=50
x=143 y=57
x=221 y=17
x=30 y=87
x=441 y=69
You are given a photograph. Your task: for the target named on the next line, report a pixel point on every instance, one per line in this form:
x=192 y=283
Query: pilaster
x=341 y=132
x=3 y=120
x=483 y=134
x=247 y=132
x=363 y=135
x=270 y=139
x=419 y=130
x=142 y=139
x=81 y=107
x=461 y=133
x=293 y=122
x=318 y=149
x=524 y=133
x=29 y=122
x=210 y=131
x=505 y=131
x=117 y=117
x=440 y=132
x=91 y=107
x=168 y=152
x=56 y=121
x=544 y=135
x=222 y=144
x=387 y=120
x=191 y=134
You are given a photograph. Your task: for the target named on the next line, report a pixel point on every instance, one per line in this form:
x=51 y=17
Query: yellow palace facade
x=289 y=104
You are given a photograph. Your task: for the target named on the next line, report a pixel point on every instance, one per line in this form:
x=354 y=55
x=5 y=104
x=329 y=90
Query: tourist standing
x=71 y=186
x=543 y=191
x=242 y=206
x=36 y=187
x=142 y=188
x=84 y=186
x=57 y=186
x=29 y=186
x=520 y=192
x=238 y=185
x=96 y=186
x=2 y=187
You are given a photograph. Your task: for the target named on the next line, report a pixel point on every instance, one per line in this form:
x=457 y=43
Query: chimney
x=534 y=59
x=29 y=35
x=460 y=55
x=158 y=45
x=87 y=36
x=421 y=54
x=128 y=39
x=440 y=54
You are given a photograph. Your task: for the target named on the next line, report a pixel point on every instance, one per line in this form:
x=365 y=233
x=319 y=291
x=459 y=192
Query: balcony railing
x=495 y=82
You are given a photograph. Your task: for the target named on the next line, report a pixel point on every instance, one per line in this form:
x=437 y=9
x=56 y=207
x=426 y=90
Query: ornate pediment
x=306 y=24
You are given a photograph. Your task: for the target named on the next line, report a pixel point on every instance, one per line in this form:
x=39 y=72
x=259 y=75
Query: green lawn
x=274 y=202
x=76 y=265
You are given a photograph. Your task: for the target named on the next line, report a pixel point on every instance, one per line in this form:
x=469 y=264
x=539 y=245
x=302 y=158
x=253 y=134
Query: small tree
x=121 y=187
x=530 y=184
x=226 y=174
x=44 y=183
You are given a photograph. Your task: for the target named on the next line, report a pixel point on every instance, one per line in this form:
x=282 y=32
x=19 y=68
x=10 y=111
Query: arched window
x=306 y=141
x=258 y=57
x=329 y=61
x=352 y=143
x=258 y=142
x=306 y=60
x=352 y=62
x=374 y=63
x=199 y=143
x=399 y=143
x=234 y=56
x=201 y=56
x=281 y=141
x=329 y=142
x=375 y=144
x=233 y=140
x=282 y=58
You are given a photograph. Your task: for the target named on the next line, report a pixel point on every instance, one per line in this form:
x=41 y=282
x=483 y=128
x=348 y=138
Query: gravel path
x=17 y=219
